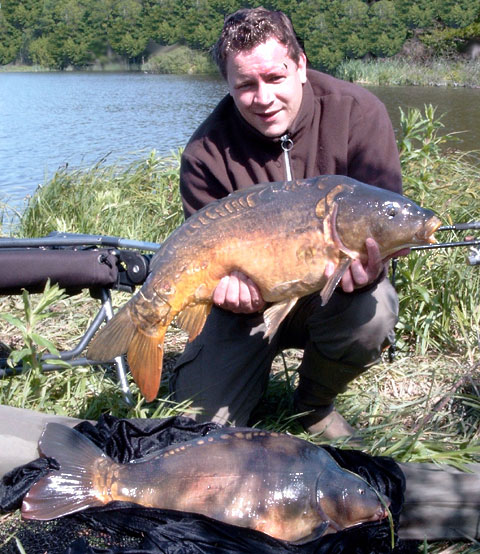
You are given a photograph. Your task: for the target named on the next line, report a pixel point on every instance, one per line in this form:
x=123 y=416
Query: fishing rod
x=56 y=238
x=474 y=257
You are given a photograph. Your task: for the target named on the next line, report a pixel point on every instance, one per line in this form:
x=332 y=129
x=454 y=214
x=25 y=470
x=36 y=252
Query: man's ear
x=302 y=67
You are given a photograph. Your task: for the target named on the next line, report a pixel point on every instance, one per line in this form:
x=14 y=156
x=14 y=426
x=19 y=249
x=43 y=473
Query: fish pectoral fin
x=318 y=532
x=334 y=279
x=192 y=319
x=275 y=314
x=145 y=359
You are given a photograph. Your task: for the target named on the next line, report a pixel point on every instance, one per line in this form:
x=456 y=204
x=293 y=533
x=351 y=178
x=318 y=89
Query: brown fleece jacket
x=341 y=129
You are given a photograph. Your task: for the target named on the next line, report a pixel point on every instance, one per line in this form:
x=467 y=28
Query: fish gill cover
x=124 y=528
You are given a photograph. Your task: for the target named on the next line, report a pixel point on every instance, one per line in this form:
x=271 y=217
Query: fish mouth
x=426 y=234
x=382 y=511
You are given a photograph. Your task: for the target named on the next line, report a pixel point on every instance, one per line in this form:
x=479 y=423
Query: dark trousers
x=225 y=370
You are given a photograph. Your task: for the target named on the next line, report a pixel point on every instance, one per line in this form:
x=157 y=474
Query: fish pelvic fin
x=72 y=487
x=318 y=532
x=114 y=338
x=275 y=314
x=334 y=279
x=145 y=359
x=192 y=319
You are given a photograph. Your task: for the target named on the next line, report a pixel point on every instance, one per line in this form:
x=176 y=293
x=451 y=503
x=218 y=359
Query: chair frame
x=133 y=270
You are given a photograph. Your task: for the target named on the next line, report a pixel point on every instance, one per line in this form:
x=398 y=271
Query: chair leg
x=119 y=361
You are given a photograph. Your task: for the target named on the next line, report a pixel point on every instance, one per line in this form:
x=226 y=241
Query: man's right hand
x=238 y=293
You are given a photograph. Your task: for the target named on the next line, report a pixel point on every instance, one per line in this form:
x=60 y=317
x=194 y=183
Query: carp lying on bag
x=281 y=235
x=274 y=483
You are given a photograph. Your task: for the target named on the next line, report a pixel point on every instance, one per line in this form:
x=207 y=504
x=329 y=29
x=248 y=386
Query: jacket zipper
x=287 y=145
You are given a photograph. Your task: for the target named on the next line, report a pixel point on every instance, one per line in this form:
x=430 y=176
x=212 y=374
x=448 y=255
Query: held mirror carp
x=281 y=485
x=282 y=235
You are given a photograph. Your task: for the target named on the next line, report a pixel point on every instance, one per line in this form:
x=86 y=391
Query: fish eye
x=361 y=491
x=392 y=209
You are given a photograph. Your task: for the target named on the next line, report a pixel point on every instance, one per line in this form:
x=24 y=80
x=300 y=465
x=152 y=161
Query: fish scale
x=281 y=235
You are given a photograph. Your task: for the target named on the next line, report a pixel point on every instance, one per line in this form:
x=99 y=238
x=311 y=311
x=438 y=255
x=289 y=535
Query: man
x=282 y=121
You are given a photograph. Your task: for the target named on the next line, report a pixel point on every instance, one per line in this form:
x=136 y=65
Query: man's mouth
x=268 y=116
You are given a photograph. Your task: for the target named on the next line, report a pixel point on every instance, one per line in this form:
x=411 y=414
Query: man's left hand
x=361 y=274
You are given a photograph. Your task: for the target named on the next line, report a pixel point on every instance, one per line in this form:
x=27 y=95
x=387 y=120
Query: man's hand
x=238 y=293
x=362 y=274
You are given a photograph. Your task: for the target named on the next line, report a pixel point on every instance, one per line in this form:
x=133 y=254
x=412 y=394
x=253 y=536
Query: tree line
x=61 y=33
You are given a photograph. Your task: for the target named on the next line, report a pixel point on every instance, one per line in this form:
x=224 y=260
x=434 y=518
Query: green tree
x=59 y=33
x=17 y=19
x=416 y=14
x=457 y=13
x=10 y=41
x=126 y=29
x=332 y=30
x=387 y=32
x=62 y=35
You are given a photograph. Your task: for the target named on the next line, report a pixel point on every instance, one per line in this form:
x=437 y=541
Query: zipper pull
x=287 y=144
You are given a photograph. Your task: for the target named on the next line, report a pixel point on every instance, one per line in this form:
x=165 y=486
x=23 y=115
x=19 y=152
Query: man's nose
x=263 y=94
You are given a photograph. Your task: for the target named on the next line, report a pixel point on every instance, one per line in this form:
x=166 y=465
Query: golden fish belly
x=234 y=499
x=292 y=266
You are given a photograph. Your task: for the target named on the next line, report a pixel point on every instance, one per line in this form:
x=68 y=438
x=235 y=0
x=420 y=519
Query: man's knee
x=378 y=332
x=358 y=327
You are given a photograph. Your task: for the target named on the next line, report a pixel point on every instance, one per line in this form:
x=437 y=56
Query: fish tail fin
x=145 y=359
x=114 y=338
x=72 y=487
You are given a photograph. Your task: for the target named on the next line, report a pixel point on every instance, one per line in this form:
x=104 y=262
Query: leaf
x=27 y=304
x=18 y=355
x=15 y=321
x=45 y=343
x=424 y=293
x=60 y=362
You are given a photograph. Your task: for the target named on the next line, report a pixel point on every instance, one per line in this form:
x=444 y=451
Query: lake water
x=48 y=120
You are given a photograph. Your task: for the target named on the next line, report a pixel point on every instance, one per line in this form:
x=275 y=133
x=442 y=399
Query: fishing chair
x=75 y=262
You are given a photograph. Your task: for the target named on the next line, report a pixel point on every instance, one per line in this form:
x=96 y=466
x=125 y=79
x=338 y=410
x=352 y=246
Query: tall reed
x=441 y=72
x=439 y=292
x=138 y=201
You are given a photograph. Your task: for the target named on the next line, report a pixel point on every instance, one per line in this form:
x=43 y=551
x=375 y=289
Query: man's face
x=266 y=86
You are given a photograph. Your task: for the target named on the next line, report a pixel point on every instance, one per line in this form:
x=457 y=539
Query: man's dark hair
x=245 y=29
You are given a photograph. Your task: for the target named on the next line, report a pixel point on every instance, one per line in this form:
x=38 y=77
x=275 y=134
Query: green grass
x=392 y=71
x=425 y=406
x=139 y=201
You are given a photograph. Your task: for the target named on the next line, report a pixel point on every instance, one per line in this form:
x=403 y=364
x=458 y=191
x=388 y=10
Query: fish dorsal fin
x=192 y=319
x=275 y=314
x=334 y=279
